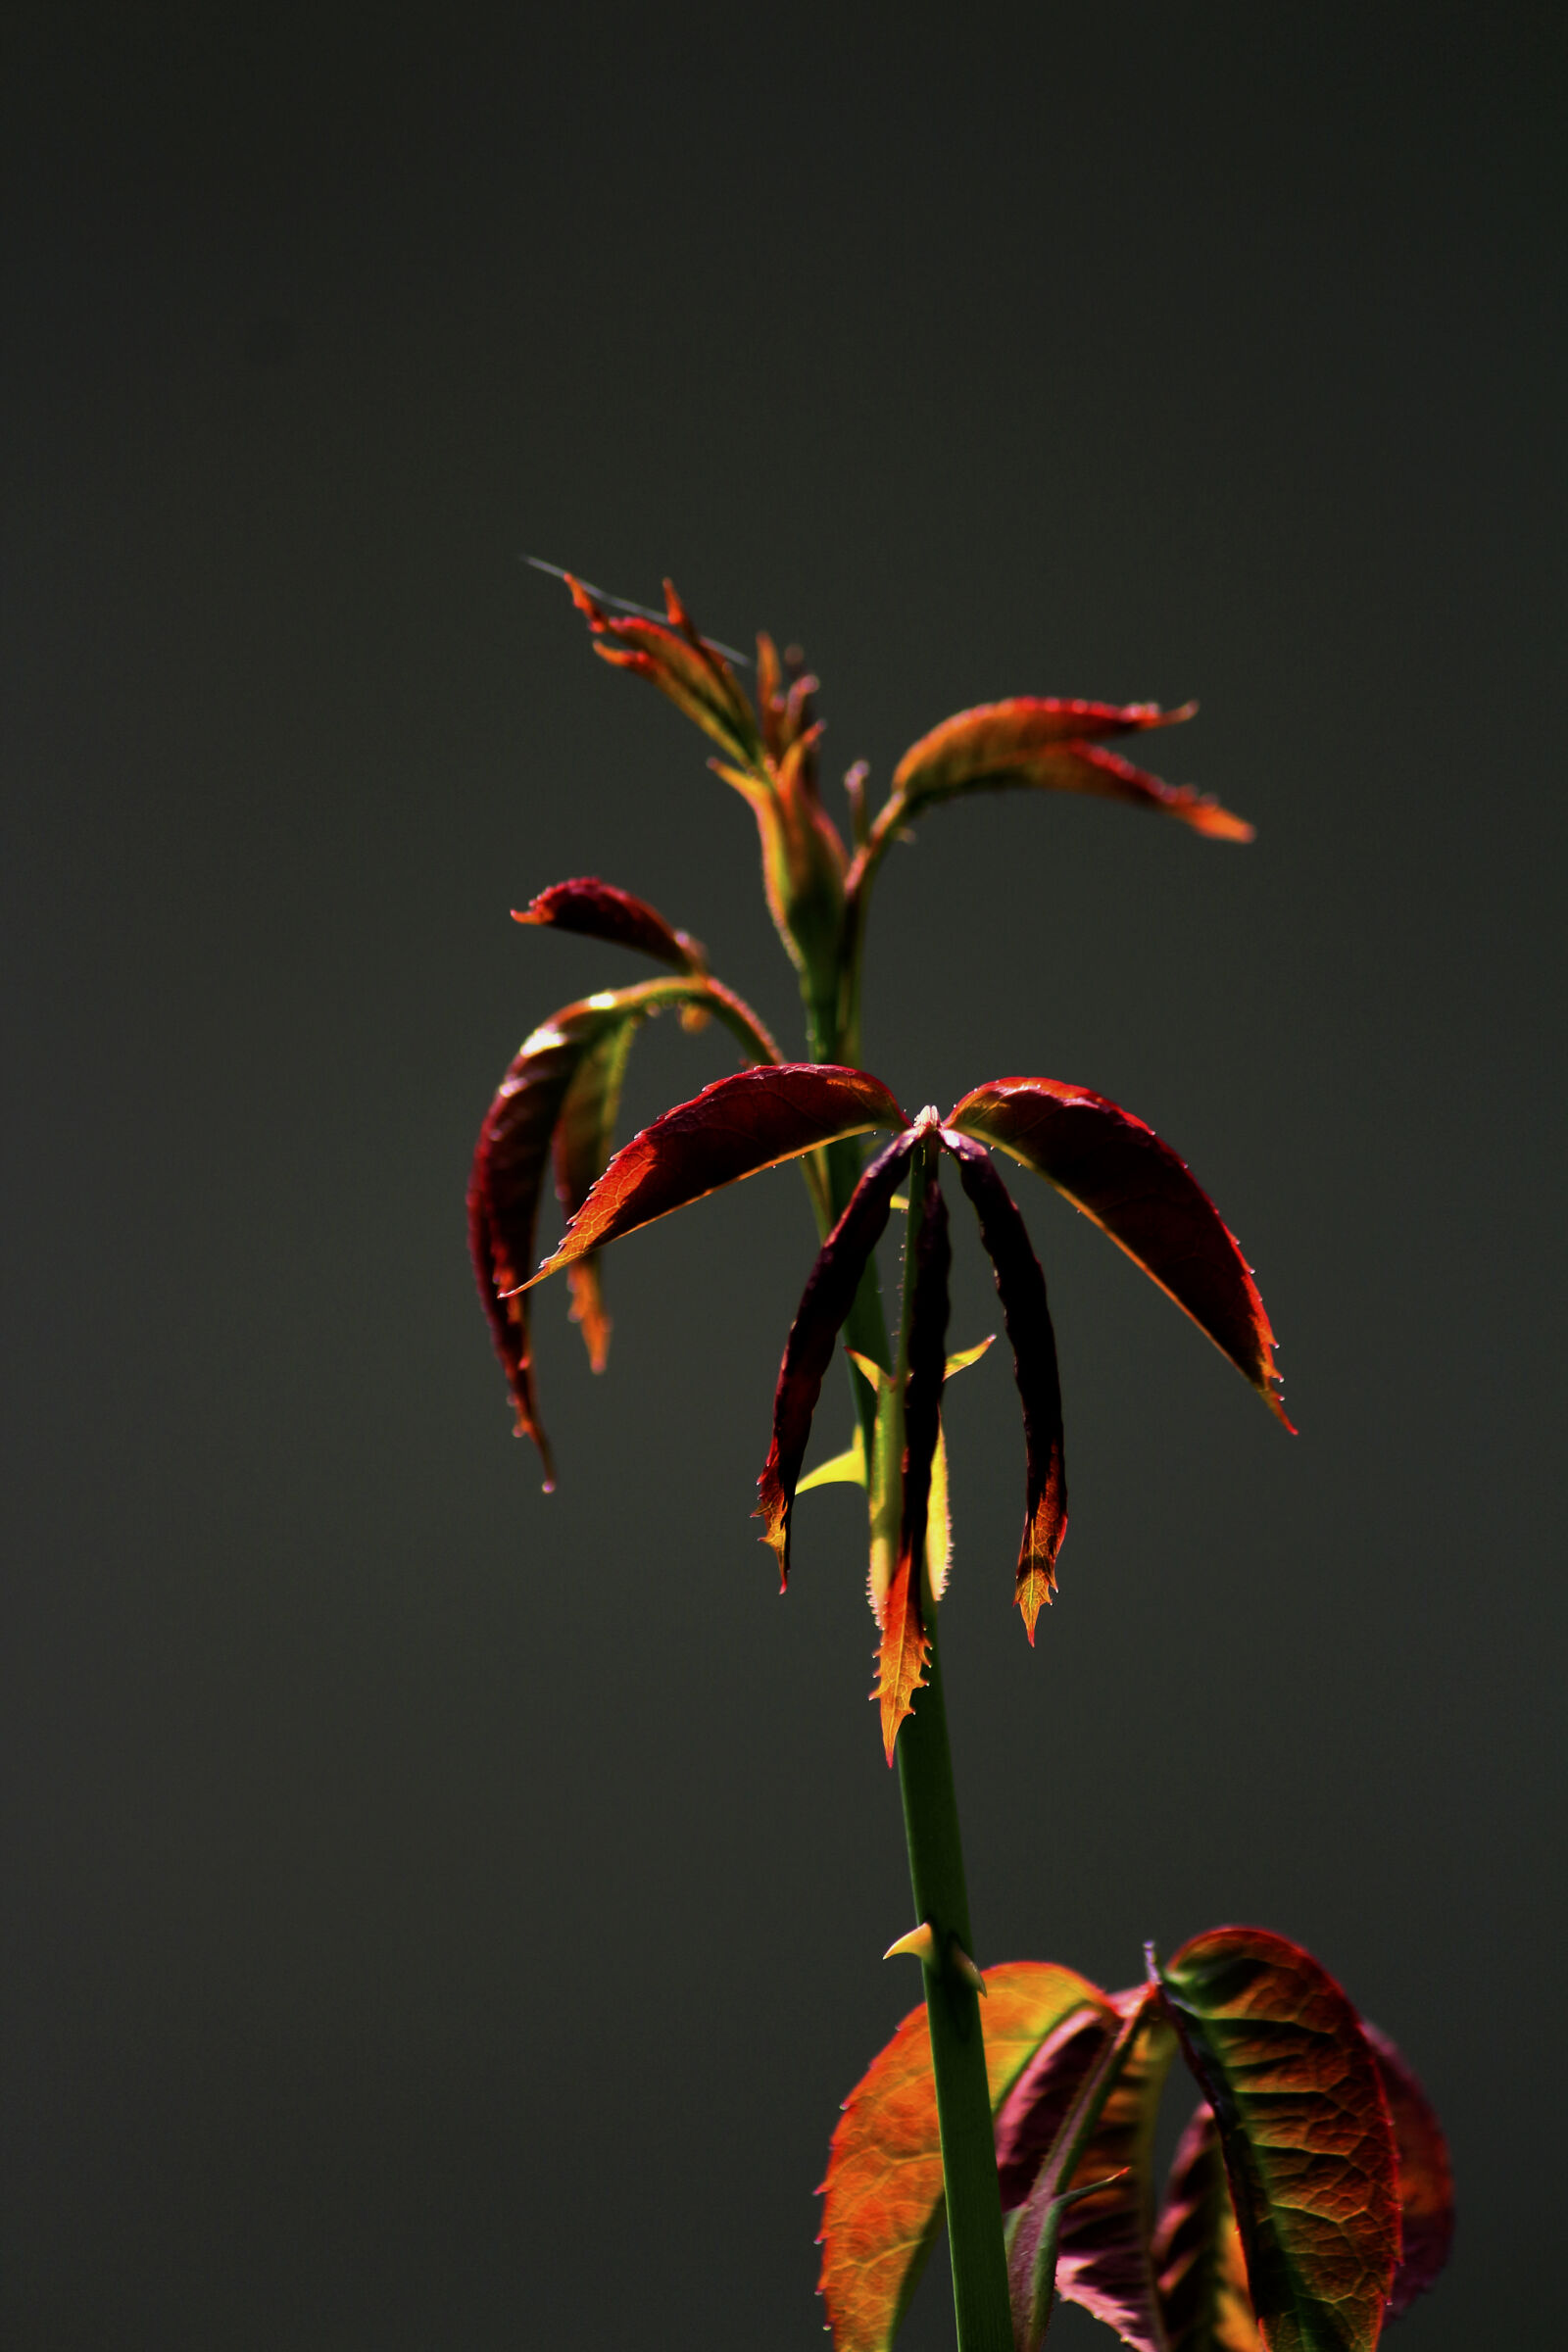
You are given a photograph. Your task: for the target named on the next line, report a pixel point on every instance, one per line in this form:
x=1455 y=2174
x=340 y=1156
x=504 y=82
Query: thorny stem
x=952 y=2007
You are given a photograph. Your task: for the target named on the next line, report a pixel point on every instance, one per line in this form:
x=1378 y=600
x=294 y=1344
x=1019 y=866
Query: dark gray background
x=442 y=1916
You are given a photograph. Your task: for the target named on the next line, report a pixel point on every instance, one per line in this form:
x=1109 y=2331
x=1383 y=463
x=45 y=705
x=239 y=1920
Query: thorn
x=968 y=1969
x=920 y=1943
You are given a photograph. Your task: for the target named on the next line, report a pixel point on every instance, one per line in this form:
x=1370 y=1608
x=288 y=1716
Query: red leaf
x=1047 y=744
x=902 y=1654
x=682 y=665
x=1426 y=2183
x=1304 y=2125
x=1103 y=2259
x=584 y=1134
x=883 y=2191
x=1119 y=1173
x=508 y=1165
x=828 y=1295
x=598 y=910
x=1021 y=1288
x=1198 y=2251
x=734 y=1128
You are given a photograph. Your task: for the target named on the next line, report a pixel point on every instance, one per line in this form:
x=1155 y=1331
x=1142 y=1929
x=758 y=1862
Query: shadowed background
x=437 y=1914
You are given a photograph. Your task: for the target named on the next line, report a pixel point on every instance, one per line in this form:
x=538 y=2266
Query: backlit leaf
x=1198 y=2251
x=1134 y=1188
x=598 y=910
x=1051 y=745
x=828 y=1295
x=883 y=2190
x=584 y=1134
x=1304 y=2126
x=682 y=665
x=735 y=1128
x=1103 y=2255
x=905 y=1646
x=1426 y=2183
x=1021 y=1287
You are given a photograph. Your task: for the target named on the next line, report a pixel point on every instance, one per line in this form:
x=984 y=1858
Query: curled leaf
x=905 y=1646
x=683 y=665
x=883 y=2191
x=1426 y=2182
x=1304 y=2126
x=1198 y=2251
x=826 y=1300
x=584 y=1134
x=734 y=1128
x=1046 y=744
x=598 y=910
x=1021 y=1288
x=1117 y=1171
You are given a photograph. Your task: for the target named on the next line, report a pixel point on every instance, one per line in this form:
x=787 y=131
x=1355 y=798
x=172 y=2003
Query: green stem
x=952 y=2007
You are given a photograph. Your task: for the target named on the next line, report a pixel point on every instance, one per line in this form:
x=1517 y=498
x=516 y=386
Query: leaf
x=883 y=2190
x=1135 y=1189
x=1198 y=2250
x=905 y=1647
x=1040 y=742
x=733 y=1129
x=938 y=1522
x=1426 y=2182
x=598 y=910
x=828 y=1295
x=1075 y=2141
x=508 y=1165
x=1021 y=1288
x=683 y=665
x=585 y=1132
x=1303 y=2122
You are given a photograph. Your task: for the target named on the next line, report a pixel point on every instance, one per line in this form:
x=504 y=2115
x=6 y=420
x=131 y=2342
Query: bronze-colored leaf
x=598 y=910
x=1198 y=2250
x=682 y=665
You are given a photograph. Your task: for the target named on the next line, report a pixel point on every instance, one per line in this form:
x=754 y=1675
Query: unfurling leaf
x=1198 y=2251
x=1134 y=1188
x=1426 y=2183
x=905 y=1646
x=598 y=910
x=734 y=1128
x=1050 y=744
x=682 y=665
x=883 y=2190
x=828 y=1295
x=1303 y=2122
x=1021 y=1287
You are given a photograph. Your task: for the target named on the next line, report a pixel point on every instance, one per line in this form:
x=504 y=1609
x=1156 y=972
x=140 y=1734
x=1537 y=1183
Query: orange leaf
x=902 y=1655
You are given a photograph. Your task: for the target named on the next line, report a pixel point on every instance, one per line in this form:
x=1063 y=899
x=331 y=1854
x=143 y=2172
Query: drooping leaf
x=1117 y=1171
x=681 y=664
x=883 y=2190
x=828 y=1295
x=734 y=1128
x=1426 y=2182
x=905 y=1646
x=1304 y=2125
x=1198 y=2255
x=504 y=1187
x=598 y=910
x=1051 y=745
x=584 y=1135
x=1021 y=1287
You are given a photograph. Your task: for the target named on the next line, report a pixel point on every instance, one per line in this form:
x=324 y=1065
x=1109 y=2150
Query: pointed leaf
x=598 y=910
x=733 y=1129
x=1198 y=2250
x=1134 y=1188
x=939 y=1522
x=1304 y=2125
x=905 y=1647
x=1021 y=1287
x=585 y=1133
x=883 y=2190
x=828 y=1295
x=1426 y=2183
x=883 y=1496
x=1050 y=744
x=682 y=665
x=846 y=1469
